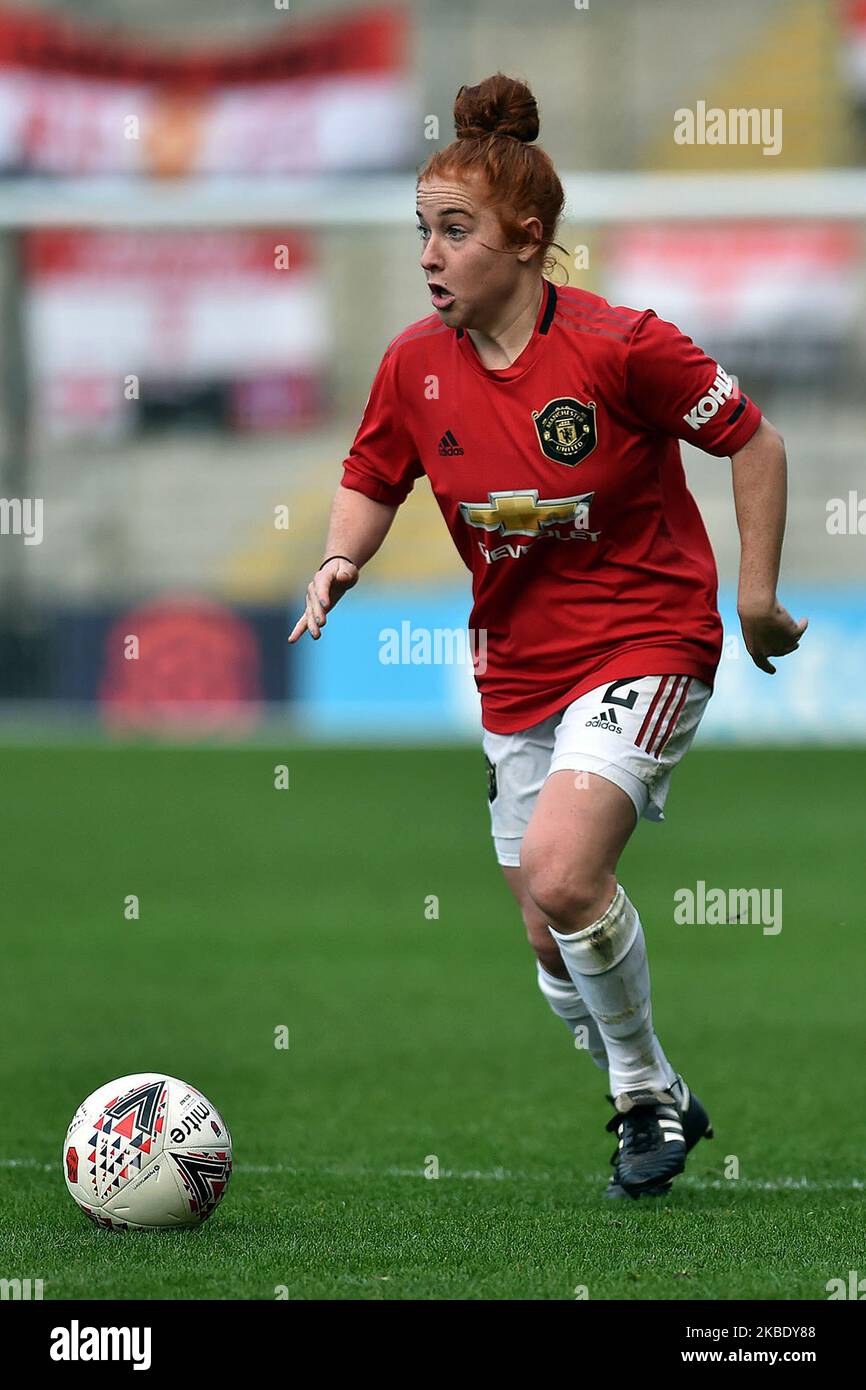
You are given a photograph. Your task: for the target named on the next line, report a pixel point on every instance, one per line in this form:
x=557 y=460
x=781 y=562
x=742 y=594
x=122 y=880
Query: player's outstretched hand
x=327 y=587
x=770 y=631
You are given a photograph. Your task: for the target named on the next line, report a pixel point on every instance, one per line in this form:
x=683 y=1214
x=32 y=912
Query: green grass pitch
x=411 y=1036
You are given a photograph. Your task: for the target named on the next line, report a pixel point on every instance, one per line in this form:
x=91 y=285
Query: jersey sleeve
x=383 y=462
x=675 y=387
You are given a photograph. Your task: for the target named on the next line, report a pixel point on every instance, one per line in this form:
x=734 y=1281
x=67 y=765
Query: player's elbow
x=766 y=437
x=770 y=434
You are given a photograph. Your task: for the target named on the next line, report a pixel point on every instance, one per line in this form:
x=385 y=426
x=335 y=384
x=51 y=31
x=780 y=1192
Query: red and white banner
x=243 y=308
x=743 y=281
x=328 y=96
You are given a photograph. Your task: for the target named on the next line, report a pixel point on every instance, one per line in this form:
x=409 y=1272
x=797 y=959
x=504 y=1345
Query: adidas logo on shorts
x=605 y=720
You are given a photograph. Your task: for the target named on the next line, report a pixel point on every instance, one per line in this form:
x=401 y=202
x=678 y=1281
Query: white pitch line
x=753 y=1184
x=505 y=1175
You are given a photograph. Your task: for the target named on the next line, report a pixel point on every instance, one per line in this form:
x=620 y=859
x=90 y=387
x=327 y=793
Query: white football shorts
x=632 y=732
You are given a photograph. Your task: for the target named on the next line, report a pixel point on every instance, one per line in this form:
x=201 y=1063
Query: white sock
x=608 y=963
x=564 y=998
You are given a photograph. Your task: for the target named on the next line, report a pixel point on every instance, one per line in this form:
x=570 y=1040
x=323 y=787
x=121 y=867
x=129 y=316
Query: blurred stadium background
x=171 y=378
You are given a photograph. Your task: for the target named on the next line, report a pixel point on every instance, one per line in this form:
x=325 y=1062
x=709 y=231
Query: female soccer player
x=547 y=422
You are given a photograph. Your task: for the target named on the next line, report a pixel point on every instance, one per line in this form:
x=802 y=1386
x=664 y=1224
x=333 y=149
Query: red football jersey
x=561 y=482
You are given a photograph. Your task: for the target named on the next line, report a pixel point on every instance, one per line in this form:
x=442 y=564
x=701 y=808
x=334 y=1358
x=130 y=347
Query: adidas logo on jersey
x=605 y=720
x=448 y=445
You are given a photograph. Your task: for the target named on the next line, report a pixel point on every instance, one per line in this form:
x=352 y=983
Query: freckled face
x=457 y=230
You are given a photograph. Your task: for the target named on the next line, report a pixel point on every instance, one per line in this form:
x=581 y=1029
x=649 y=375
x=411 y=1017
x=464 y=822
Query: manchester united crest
x=491 y=779
x=566 y=430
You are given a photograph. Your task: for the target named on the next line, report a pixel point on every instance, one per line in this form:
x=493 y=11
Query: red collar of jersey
x=524 y=361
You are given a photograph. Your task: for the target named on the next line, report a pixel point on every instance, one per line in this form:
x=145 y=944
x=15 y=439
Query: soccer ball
x=147 y=1152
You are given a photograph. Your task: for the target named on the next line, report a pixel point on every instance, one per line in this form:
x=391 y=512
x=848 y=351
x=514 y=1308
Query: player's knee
x=564 y=892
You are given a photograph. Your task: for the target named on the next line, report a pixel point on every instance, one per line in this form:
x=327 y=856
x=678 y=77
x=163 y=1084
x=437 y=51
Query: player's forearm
x=760 y=499
x=358 y=525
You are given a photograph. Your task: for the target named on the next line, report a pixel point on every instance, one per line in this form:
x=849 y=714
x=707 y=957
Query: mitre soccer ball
x=147 y=1152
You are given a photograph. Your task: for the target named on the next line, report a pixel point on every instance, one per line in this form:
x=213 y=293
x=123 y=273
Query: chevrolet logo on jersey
x=521 y=514
x=566 y=430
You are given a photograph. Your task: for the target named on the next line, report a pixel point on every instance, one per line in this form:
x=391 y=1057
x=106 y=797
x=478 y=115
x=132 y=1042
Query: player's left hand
x=770 y=631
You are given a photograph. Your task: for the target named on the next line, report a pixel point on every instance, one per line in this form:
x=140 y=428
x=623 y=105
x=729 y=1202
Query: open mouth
x=442 y=298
